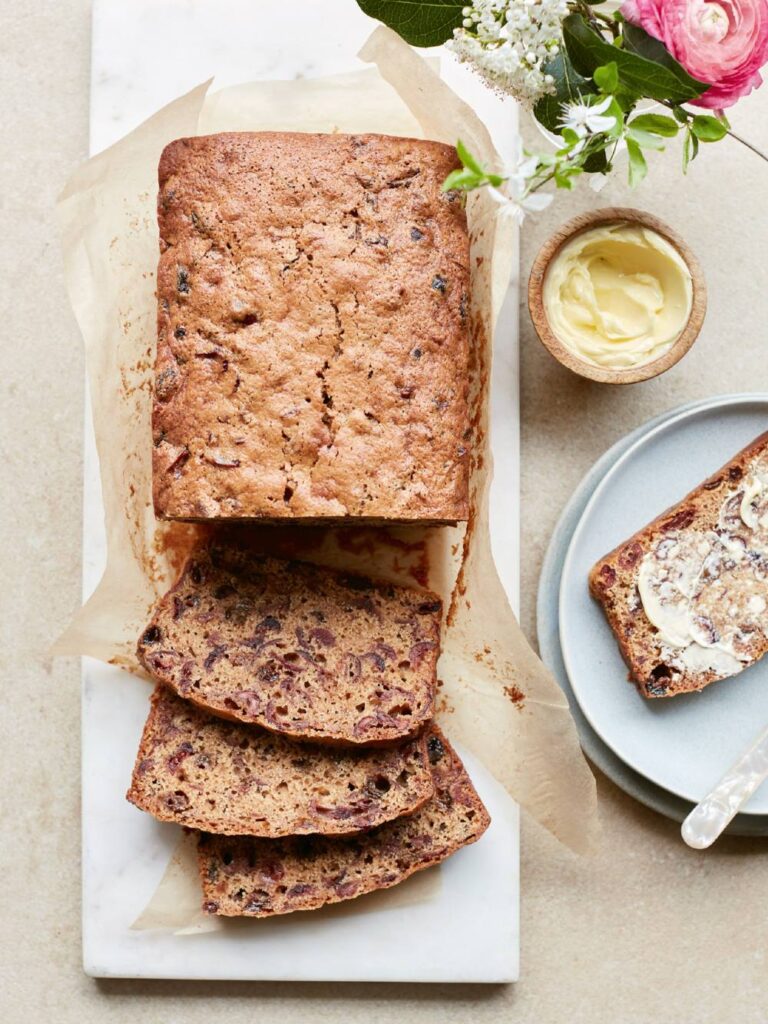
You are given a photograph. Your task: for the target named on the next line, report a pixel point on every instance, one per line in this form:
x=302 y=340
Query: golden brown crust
x=249 y=877
x=201 y=772
x=613 y=580
x=313 y=353
x=296 y=648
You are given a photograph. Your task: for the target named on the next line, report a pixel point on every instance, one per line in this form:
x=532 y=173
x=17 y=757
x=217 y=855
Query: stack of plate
x=667 y=754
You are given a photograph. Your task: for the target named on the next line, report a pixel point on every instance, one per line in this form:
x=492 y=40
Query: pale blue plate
x=721 y=423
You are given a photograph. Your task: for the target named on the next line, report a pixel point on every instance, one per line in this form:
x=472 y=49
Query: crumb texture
x=297 y=648
x=251 y=877
x=312 y=358
x=205 y=773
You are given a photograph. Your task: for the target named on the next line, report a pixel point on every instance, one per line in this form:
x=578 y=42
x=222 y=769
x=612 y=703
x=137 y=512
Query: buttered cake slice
x=687 y=596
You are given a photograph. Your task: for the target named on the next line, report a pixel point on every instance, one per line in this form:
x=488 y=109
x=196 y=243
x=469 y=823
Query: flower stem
x=728 y=131
x=749 y=145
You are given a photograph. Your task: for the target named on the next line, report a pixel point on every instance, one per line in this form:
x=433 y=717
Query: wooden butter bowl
x=608 y=374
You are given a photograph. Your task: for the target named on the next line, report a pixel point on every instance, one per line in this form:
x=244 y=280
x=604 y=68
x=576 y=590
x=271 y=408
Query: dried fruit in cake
x=205 y=773
x=243 y=876
x=297 y=648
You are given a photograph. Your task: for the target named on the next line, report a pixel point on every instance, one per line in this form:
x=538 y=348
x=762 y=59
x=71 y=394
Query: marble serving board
x=464 y=926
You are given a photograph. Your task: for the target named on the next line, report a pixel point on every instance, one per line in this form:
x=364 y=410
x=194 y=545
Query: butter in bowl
x=617 y=296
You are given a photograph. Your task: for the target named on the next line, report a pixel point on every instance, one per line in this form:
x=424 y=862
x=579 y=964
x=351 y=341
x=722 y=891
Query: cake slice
x=687 y=596
x=297 y=648
x=264 y=877
x=205 y=773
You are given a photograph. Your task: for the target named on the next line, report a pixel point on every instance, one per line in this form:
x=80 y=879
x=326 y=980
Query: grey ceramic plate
x=733 y=407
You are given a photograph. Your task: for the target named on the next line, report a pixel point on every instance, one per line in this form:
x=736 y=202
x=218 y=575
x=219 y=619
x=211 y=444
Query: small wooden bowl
x=605 y=374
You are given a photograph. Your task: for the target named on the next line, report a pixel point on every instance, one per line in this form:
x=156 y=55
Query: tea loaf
x=205 y=773
x=264 y=877
x=297 y=648
x=313 y=356
x=687 y=596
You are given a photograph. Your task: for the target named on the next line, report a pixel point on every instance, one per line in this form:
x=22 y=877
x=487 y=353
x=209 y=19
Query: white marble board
x=145 y=53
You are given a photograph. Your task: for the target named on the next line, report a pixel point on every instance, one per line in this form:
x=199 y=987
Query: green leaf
x=606 y=78
x=570 y=137
x=681 y=115
x=646 y=78
x=656 y=124
x=626 y=98
x=596 y=163
x=564 y=175
x=645 y=139
x=420 y=24
x=638 y=41
x=707 y=128
x=690 y=149
x=570 y=86
x=617 y=113
x=467 y=159
x=638 y=168
x=462 y=179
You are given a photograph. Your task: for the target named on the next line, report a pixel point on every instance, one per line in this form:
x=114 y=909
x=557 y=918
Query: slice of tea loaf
x=263 y=877
x=687 y=596
x=297 y=648
x=203 y=772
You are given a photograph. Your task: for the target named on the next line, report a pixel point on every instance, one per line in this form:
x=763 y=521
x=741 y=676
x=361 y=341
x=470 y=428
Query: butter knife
x=708 y=819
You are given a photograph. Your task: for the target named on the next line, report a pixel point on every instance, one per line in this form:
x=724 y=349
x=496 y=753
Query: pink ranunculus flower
x=722 y=42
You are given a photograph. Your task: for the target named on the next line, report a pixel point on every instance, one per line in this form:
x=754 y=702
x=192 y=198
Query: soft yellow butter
x=618 y=295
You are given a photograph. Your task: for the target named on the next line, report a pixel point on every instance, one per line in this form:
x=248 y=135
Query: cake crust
x=313 y=354
x=720 y=529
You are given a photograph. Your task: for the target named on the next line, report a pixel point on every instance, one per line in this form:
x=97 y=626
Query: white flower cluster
x=509 y=42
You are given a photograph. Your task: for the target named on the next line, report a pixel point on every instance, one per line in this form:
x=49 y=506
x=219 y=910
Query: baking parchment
x=497 y=698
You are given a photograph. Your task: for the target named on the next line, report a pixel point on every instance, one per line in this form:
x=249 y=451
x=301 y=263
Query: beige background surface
x=645 y=932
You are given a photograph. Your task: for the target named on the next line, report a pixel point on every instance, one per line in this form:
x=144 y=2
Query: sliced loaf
x=206 y=773
x=297 y=648
x=251 y=877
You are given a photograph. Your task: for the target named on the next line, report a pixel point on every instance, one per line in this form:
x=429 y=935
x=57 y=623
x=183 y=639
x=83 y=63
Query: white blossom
x=513 y=192
x=509 y=43
x=587 y=120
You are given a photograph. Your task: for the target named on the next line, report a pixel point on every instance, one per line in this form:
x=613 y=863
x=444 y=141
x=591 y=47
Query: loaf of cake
x=205 y=773
x=297 y=648
x=251 y=877
x=687 y=596
x=313 y=357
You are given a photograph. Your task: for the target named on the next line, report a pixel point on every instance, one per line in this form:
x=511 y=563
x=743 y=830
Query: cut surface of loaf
x=297 y=648
x=313 y=354
x=250 y=877
x=205 y=773
x=687 y=596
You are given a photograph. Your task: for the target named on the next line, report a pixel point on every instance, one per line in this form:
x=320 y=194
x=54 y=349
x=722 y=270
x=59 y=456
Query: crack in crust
x=296 y=280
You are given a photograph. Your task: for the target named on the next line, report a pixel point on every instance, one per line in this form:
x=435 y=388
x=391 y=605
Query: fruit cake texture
x=312 y=358
x=205 y=773
x=687 y=596
x=297 y=648
x=262 y=877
